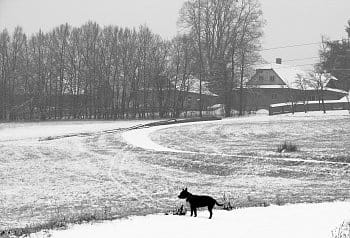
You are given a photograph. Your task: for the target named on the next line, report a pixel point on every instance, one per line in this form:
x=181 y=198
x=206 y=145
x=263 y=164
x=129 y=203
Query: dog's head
x=184 y=194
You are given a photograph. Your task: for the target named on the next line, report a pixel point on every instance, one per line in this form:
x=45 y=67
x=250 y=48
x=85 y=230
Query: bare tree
x=191 y=17
x=302 y=84
x=227 y=34
x=318 y=81
x=4 y=81
x=181 y=65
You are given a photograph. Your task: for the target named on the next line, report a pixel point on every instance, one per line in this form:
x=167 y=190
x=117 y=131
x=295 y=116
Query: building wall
x=265 y=77
x=192 y=101
x=309 y=107
x=262 y=98
x=189 y=100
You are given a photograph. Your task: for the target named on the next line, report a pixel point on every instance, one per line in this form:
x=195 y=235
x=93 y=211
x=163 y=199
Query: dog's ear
x=186 y=189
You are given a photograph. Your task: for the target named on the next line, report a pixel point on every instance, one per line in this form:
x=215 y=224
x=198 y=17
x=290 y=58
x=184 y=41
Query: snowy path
x=292 y=221
x=28 y=131
x=141 y=138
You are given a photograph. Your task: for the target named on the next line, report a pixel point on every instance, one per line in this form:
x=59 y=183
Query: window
x=261 y=77
x=312 y=98
x=274 y=96
x=272 y=78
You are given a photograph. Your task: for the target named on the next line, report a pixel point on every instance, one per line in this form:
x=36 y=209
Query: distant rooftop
x=193 y=87
x=291 y=75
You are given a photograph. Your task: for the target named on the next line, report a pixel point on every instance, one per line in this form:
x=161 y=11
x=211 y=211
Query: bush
x=343 y=231
x=287 y=147
x=178 y=210
x=58 y=221
x=228 y=202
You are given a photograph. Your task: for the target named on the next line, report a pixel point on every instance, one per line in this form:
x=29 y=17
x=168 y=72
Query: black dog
x=199 y=201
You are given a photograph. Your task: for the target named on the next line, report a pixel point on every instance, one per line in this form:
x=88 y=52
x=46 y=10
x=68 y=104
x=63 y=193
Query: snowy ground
x=301 y=221
x=129 y=174
x=44 y=179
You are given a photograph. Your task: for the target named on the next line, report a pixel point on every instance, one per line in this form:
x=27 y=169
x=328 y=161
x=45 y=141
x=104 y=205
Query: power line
x=291 y=60
x=301 y=59
x=281 y=65
x=290 y=46
x=296 y=45
x=302 y=65
x=289 y=66
x=338 y=69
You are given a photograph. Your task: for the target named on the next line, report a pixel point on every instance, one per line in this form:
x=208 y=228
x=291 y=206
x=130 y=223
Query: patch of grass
x=279 y=200
x=287 y=147
x=228 y=202
x=59 y=221
x=343 y=231
x=178 y=210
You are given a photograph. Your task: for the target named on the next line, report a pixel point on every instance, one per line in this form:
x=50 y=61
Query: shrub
x=228 y=203
x=58 y=221
x=287 y=147
x=279 y=201
x=178 y=210
x=343 y=231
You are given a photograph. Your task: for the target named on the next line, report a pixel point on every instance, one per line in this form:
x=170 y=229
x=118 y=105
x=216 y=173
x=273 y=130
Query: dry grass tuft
x=287 y=147
x=343 y=231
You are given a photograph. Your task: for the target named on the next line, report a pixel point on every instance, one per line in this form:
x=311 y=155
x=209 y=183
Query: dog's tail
x=216 y=202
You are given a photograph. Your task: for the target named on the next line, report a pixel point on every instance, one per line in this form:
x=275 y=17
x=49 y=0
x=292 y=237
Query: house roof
x=291 y=75
x=193 y=87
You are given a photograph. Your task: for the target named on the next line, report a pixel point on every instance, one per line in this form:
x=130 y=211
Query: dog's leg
x=195 y=212
x=210 y=209
x=191 y=211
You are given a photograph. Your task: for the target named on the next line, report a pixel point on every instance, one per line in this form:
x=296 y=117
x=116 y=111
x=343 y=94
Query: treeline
x=335 y=59
x=81 y=72
x=113 y=72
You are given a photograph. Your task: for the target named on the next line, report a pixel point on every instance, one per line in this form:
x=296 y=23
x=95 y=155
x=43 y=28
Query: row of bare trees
x=88 y=72
x=114 y=72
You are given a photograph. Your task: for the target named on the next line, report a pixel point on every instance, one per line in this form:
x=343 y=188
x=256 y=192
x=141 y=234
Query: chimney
x=278 y=61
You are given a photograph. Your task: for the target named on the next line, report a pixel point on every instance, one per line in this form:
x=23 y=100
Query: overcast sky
x=289 y=22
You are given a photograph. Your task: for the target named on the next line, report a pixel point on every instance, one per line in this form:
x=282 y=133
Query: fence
x=311 y=106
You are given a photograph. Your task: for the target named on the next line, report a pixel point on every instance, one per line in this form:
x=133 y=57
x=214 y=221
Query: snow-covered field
x=120 y=174
x=302 y=221
x=44 y=179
